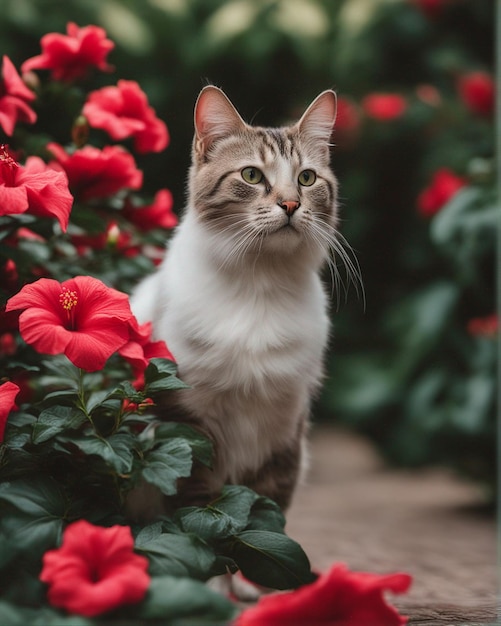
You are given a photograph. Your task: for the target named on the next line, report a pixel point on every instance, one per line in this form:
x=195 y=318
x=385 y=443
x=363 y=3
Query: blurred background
x=412 y=364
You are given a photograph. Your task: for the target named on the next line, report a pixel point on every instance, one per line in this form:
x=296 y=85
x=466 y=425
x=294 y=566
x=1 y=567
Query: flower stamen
x=8 y=165
x=68 y=300
x=6 y=158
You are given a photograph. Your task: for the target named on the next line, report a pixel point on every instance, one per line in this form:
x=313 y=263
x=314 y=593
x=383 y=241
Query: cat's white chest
x=251 y=352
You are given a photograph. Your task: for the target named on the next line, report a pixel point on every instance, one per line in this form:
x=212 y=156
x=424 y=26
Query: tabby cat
x=238 y=298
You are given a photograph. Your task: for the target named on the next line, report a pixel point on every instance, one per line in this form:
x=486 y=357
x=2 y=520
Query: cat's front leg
x=278 y=476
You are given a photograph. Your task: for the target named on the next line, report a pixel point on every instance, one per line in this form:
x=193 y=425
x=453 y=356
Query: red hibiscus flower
x=94 y=173
x=14 y=99
x=348 y=115
x=338 y=598
x=384 y=106
x=8 y=393
x=484 y=326
x=70 y=56
x=156 y=215
x=123 y=111
x=477 y=91
x=140 y=349
x=95 y=570
x=8 y=345
x=81 y=318
x=34 y=188
x=445 y=183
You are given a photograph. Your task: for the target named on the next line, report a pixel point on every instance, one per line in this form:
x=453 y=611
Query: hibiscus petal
x=91 y=349
x=13 y=200
x=43 y=330
x=337 y=598
x=44 y=293
x=8 y=393
x=47 y=190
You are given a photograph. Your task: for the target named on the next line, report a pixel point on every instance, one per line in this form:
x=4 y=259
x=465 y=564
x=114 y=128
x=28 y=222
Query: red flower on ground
x=95 y=570
x=70 y=56
x=14 y=99
x=81 y=318
x=34 y=188
x=477 y=90
x=8 y=393
x=94 y=173
x=337 y=598
x=484 y=326
x=159 y=214
x=444 y=184
x=140 y=348
x=123 y=111
x=384 y=106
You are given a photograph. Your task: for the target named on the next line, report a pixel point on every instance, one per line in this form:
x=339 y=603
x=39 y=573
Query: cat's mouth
x=287 y=230
x=288 y=226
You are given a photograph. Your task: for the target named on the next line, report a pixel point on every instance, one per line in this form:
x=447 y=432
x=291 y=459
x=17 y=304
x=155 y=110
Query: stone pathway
x=356 y=510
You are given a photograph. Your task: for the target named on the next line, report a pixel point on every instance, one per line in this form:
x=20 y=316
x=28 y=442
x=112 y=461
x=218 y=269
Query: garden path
x=429 y=523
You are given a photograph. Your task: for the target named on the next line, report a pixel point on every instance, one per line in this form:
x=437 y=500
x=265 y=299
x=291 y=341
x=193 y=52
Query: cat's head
x=264 y=191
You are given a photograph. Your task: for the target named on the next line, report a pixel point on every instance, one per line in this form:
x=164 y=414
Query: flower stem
x=82 y=403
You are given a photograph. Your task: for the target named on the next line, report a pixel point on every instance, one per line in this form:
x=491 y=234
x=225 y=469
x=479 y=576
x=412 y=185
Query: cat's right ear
x=215 y=118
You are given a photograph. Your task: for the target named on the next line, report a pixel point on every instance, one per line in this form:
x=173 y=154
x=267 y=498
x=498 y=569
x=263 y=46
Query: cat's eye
x=252 y=175
x=307 y=178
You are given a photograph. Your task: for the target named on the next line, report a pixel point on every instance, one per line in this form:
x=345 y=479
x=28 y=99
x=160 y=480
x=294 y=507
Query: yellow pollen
x=68 y=299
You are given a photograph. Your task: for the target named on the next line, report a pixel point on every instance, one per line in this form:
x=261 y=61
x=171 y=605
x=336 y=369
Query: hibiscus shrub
x=79 y=422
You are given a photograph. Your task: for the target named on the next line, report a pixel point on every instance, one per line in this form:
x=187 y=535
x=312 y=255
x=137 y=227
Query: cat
x=239 y=298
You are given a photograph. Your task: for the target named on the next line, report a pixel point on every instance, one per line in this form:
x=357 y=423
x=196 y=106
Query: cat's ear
x=215 y=118
x=318 y=120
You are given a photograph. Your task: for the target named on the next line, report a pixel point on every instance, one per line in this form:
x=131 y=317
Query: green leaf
x=221 y=518
x=116 y=450
x=266 y=515
x=177 y=555
x=167 y=383
x=185 y=599
x=97 y=398
x=38 y=497
x=160 y=376
x=159 y=368
x=167 y=462
x=36 y=509
x=66 y=395
x=11 y=615
x=55 y=420
x=200 y=445
x=271 y=559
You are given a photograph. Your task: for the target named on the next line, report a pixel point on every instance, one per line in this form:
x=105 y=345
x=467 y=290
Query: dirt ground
x=354 y=509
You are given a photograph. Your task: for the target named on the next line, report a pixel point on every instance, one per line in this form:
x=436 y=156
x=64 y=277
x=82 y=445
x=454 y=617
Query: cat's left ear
x=318 y=120
x=215 y=118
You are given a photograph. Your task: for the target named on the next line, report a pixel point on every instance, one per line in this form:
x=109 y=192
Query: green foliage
x=79 y=460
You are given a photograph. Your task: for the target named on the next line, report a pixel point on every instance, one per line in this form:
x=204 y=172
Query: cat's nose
x=289 y=206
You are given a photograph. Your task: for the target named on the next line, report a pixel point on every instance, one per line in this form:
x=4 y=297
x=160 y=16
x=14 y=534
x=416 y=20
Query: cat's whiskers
x=239 y=243
x=328 y=236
